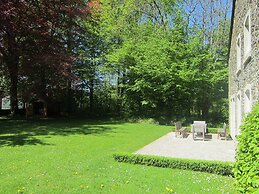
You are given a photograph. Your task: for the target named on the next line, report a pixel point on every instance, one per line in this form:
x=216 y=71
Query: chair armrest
x=183 y=129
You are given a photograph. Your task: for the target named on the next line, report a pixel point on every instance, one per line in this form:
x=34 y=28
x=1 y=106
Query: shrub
x=142 y=120
x=148 y=121
x=216 y=167
x=246 y=169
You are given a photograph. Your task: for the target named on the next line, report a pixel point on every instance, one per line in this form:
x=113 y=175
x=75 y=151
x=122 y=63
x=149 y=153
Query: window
x=238 y=113
x=233 y=116
x=247 y=37
x=238 y=47
x=247 y=99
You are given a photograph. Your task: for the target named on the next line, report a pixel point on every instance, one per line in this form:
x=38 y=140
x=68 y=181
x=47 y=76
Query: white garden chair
x=199 y=127
x=179 y=130
x=222 y=132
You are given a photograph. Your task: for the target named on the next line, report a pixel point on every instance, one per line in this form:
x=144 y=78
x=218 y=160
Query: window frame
x=247 y=38
x=248 y=101
x=238 y=111
x=238 y=54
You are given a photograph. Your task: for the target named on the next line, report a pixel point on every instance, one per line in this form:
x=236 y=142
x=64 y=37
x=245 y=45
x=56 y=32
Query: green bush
x=216 y=167
x=246 y=169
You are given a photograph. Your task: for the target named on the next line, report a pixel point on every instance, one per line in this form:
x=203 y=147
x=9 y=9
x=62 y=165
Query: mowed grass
x=75 y=156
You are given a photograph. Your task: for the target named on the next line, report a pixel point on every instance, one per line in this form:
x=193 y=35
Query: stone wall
x=249 y=73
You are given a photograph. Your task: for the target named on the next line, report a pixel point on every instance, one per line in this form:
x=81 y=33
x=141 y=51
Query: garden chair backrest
x=178 y=125
x=199 y=122
x=224 y=127
x=199 y=127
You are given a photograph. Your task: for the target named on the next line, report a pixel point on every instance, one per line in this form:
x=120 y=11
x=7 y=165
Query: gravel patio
x=210 y=149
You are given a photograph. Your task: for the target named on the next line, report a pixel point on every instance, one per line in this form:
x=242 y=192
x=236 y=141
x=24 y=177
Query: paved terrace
x=210 y=149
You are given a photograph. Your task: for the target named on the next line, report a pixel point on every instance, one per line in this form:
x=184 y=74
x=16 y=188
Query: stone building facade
x=243 y=62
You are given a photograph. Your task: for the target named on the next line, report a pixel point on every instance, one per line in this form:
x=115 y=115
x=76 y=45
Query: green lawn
x=62 y=156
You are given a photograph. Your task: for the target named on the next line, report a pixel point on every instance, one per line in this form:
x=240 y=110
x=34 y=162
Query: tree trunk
x=43 y=91
x=69 y=97
x=205 y=109
x=118 y=106
x=11 y=59
x=70 y=51
x=12 y=63
x=91 y=95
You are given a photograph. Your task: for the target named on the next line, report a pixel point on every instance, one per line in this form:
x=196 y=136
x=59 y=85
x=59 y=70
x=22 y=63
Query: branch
x=159 y=12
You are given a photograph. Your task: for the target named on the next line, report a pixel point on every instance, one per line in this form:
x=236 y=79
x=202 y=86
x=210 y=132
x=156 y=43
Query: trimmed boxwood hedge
x=216 y=167
x=246 y=169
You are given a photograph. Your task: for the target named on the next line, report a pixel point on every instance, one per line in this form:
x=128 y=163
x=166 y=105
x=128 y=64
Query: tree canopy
x=145 y=58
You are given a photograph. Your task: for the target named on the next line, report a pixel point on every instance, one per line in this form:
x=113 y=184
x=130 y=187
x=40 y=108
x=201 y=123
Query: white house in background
x=243 y=61
x=6 y=103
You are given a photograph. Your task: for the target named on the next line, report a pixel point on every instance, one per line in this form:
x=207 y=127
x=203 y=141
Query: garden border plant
x=246 y=169
x=215 y=167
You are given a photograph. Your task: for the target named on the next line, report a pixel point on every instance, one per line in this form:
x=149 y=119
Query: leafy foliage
x=247 y=157
x=163 y=69
x=137 y=58
x=221 y=168
x=35 y=44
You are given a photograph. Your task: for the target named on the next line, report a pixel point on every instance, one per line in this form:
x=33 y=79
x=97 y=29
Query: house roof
x=231 y=25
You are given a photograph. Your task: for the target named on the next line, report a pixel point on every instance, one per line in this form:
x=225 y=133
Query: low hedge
x=216 y=167
x=246 y=169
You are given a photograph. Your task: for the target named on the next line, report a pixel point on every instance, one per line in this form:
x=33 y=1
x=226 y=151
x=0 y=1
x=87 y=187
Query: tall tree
x=212 y=20
x=31 y=33
x=169 y=62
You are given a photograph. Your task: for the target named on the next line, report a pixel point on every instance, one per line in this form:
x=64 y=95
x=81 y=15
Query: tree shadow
x=30 y=132
x=20 y=140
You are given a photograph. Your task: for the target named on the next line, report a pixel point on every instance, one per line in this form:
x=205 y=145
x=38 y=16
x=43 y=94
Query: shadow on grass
x=20 y=140
x=28 y=132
